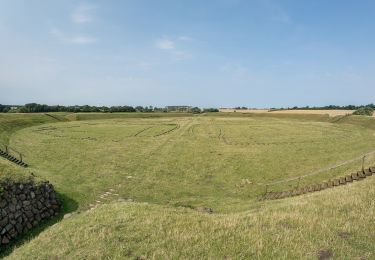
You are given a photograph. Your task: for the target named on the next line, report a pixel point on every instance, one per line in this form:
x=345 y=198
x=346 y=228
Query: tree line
x=42 y=108
x=331 y=107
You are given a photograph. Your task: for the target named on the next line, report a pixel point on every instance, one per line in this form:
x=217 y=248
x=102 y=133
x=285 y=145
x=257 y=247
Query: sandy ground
x=311 y=112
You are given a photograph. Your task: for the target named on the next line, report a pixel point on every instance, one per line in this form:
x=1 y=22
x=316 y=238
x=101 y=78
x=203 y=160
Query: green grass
x=217 y=162
x=95 y=116
x=176 y=164
x=10 y=123
x=338 y=220
x=11 y=171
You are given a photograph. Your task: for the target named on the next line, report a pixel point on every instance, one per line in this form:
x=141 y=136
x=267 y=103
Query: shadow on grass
x=68 y=205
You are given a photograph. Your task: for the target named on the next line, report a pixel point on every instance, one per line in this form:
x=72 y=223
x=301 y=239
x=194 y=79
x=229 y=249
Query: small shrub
x=364 y=111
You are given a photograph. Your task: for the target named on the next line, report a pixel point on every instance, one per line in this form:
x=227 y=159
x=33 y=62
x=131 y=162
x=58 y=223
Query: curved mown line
x=143 y=130
x=168 y=131
x=191 y=129
x=357 y=176
x=221 y=133
x=55 y=117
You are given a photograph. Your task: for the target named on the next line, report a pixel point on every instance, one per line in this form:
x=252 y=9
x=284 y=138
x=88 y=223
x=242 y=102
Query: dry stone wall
x=23 y=205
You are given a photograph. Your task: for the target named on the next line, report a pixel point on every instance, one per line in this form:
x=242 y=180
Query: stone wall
x=23 y=205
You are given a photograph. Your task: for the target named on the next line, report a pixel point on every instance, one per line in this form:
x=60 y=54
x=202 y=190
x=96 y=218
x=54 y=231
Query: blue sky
x=221 y=53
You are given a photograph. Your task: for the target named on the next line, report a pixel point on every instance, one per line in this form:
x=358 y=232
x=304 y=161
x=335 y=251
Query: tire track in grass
x=221 y=133
x=111 y=193
x=143 y=130
x=177 y=126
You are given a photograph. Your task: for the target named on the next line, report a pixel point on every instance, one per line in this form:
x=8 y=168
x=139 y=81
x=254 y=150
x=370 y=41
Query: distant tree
x=160 y=109
x=104 y=109
x=139 y=109
x=4 y=108
x=86 y=108
x=195 y=110
x=210 y=110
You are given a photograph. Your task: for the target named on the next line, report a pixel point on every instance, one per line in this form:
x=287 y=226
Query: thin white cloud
x=185 y=38
x=81 y=39
x=170 y=45
x=165 y=44
x=181 y=55
x=76 y=39
x=83 y=13
x=277 y=12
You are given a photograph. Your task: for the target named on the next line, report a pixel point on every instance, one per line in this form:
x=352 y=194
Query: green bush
x=364 y=111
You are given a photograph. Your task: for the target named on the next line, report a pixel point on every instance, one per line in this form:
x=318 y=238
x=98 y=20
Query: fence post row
x=363 y=157
x=8 y=150
x=338 y=181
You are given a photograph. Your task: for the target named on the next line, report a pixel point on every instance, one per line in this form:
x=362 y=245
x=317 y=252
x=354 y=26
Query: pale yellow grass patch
x=244 y=110
x=317 y=112
x=331 y=113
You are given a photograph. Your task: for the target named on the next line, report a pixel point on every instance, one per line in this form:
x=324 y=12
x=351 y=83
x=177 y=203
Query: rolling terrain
x=184 y=186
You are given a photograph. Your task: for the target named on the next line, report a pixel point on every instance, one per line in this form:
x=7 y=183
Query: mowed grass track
x=200 y=161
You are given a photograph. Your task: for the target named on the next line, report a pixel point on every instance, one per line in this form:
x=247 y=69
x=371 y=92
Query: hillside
x=335 y=222
x=160 y=186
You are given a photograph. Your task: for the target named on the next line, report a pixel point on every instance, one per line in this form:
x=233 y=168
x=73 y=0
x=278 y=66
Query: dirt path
x=102 y=198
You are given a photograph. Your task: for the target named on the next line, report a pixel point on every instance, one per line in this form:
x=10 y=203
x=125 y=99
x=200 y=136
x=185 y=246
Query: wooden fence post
x=363 y=163
x=299 y=179
x=265 y=193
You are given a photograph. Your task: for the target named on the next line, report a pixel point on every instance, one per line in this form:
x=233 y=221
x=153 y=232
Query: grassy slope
x=96 y=116
x=338 y=220
x=10 y=170
x=10 y=123
x=191 y=166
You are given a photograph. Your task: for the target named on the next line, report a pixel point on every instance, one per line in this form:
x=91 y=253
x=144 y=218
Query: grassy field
x=331 y=113
x=163 y=170
x=336 y=222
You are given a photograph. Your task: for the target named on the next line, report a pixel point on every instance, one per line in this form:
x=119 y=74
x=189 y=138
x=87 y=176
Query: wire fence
x=358 y=163
x=11 y=151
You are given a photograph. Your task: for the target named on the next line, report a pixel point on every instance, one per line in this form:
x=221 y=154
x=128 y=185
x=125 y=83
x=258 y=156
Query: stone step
x=13 y=159
x=361 y=174
x=368 y=172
